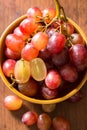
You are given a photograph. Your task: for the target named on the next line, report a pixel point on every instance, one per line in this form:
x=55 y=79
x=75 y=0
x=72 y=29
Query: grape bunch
x=43 y=52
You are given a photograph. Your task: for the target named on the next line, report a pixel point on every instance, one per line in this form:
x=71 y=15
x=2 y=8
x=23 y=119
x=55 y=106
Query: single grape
x=69 y=73
x=28 y=26
x=8 y=67
x=48 y=107
x=56 y=43
x=76 y=38
x=29 y=52
x=78 y=56
x=53 y=79
x=48 y=14
x=61 y=123
x=40 y=40
x=22 y=71
x=13 y=102
x=38 y=69
x=61 y=58
x=20 y=34
x=44 y=122
x=35 y=13
x=12 y=54
x=48 y=93
x=29 y=88
x=30 y=118
x=14 y=42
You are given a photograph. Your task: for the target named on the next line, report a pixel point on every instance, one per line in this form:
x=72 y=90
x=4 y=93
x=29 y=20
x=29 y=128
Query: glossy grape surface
x=44 y=122
x=48 y=93
x=29 y=88
x=38 y=69
x=13 y=102
x=30 y=118
x=8 y=67
x=61 y=123
x=69 y=73
x=53 y=79
x=78 y=56
x=29 y=52
x=22 y=71
x=56 y=43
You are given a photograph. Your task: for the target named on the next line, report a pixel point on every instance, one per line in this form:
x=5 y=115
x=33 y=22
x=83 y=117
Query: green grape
x=22 y=71
x=38 y=69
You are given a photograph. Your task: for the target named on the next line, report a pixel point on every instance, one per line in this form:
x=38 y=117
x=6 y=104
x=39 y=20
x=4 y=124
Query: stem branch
x=57 y=4
x=59 y=8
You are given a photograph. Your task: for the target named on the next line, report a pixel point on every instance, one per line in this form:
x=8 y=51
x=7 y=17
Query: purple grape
x=78 y=56
x=56 y=42
x=69 y=73
x=48 y=93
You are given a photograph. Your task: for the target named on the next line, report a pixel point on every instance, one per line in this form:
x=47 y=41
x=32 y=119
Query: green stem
x=59 y=8
x=57 y=4
x=64 y=14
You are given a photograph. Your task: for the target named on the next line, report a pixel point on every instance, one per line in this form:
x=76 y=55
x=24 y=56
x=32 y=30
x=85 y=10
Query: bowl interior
x=8 y=30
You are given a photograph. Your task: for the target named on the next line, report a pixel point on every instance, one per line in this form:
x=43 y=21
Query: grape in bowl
x=35 y=47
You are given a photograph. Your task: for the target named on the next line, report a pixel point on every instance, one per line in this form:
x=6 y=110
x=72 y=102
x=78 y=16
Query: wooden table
x=76 y=113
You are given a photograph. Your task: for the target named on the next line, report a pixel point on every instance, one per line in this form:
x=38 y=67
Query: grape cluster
x=42 y=53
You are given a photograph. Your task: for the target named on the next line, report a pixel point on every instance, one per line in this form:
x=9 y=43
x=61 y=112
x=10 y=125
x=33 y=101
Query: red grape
x=12 y=54
x=13 y=102
x=35 y=13
x=20 y=34
x=78 y=56
x=53 y=79
x=69 y=73
x=14 y=42
x=48 y=93
x=44 y=122
x=56 y=42
x=28 y=26
x=29 y=88
x=30 y=118
x=76 y=38
x=40 y=40
x=8 y=67
x=48 y=14
x=61 y=123
x=29 y=52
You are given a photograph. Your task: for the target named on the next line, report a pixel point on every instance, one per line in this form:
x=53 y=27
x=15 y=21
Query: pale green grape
x=38 y=69
x=22 y=71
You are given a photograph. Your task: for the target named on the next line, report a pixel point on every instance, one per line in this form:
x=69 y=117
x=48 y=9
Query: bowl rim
x=30 y=99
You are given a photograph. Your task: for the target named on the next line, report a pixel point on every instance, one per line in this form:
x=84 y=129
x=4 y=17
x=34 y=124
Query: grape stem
x=13 y=80
x=59 y=8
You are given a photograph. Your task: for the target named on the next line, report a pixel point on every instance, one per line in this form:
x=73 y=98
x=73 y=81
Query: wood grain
x=76 y=113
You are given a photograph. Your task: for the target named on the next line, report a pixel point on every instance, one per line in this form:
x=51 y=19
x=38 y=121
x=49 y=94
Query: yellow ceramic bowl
x=33 y=100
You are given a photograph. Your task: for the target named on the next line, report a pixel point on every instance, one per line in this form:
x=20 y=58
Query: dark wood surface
x=76 y=113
